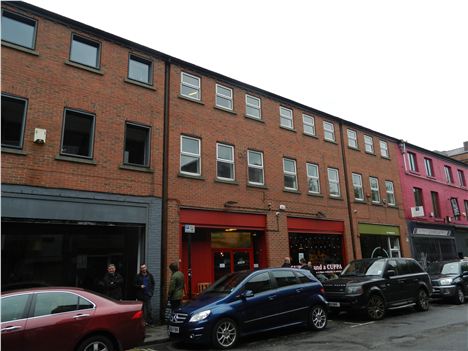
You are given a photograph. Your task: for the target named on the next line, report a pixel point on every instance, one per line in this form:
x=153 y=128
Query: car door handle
x=299 y=290
x=78 y=316
x=13 y=327
x=271 y=297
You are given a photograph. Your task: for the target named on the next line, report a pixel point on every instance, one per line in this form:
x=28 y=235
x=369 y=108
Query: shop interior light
x=230 y=229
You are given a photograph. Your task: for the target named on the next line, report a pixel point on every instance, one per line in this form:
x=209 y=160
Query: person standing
x=144 y=284
x=176 y=286
x=286 y=262
x=113 y=283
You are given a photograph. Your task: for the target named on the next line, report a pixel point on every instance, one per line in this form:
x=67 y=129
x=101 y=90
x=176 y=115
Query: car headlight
x=446 y=281
x=200 y=316
x=354 y=290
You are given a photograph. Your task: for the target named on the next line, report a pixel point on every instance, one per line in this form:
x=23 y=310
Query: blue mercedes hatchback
x=244 y=303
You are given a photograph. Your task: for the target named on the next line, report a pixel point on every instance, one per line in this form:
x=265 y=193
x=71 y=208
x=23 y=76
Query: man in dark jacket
x=144 y=284
x=113 y=283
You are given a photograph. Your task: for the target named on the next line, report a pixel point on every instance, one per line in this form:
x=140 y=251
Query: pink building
x=435 y=198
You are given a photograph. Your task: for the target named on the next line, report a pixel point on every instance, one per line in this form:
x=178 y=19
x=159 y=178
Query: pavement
x=156 y=334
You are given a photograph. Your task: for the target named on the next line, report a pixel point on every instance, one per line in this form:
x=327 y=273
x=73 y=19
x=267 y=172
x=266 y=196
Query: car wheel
x=375 y=307
x=459 y=297
x=96 y=343
x=225 y=334
x=422 y=301
x=318 y=317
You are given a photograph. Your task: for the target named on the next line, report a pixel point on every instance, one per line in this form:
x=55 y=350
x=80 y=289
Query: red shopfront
x=216 y=243
x=318 y=241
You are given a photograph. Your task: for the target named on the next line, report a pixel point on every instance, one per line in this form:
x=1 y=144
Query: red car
x=69 y=319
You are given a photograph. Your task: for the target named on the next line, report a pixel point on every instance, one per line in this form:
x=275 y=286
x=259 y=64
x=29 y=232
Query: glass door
x=231 y=260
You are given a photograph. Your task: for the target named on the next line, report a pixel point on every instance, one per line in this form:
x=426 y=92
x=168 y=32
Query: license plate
x=174 y=330
x=334 y=304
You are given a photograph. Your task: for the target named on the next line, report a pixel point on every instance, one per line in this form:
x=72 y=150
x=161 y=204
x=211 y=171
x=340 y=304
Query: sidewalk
x=156 y=334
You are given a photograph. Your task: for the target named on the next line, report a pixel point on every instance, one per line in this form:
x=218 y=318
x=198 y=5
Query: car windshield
x=227 y=283
x=364 y=267
x=443 y=268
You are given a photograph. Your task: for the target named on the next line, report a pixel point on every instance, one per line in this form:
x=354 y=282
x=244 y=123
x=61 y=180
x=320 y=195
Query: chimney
x=465 y=146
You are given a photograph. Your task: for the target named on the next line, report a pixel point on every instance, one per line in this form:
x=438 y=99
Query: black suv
x=450 y=279
x=374 y=285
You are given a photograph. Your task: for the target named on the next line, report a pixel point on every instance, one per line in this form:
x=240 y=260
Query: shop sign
x=433 y=232
x=328 y=268
x=189 y=228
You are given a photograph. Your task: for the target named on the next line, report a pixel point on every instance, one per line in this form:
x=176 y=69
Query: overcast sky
x=397 y=67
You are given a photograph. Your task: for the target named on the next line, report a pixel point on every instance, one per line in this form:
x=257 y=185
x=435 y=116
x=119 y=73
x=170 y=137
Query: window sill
x=292 y=191
x=222 y=181
x=75 y=159
x=254 y=119
x=258 y=186
x=354 y=148
x=8 y=150
x=357 y=201
x=335 y=198
x=393 y=206
x=385 y=158
x=86 y=68
x=140 y=84
x=330 y=141
x=190 y=99
x=377 y=204
x=370 y=153
x=136 y=168
x=310 y=135
x=288 y=129
x=225 y=110
x=189 y=176
x=20 y=48
x=315 y=195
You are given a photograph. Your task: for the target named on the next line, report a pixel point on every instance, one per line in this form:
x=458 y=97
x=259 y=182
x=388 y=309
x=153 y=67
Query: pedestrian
x=287 y=262
x=113 y=283
x=144 y=284
x=176 y=286
x=303 y=264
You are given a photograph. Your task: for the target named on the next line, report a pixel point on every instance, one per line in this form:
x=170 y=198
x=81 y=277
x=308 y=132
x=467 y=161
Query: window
x=259 y=283
x=190 y=86
x=352 y=139
x=413 y=166
x=357 y=186
x=374 y=186
x=18 y=30
x=466 y=208
x=255 y=165
x=428 y=167
x=58 y=302
x=225 y=161
x=309 y=124
x=448 y=174
x=461 y=177
x=139 y=69
x=223 y=97
x=78 y=134
x=435 y=204
x=384 y=149
x=390 y=193
x=333 y=182
x=137 y=146
x=84 y=51
x=328 y=131
x=14 y=307
x=418 y=197
x=253 y=107
x=313 y=178
x=13 y=121
x=290 y=176
x=368 y=144
x=286 y=118
x=285 y=278
x=455 y=208
x=190 y=158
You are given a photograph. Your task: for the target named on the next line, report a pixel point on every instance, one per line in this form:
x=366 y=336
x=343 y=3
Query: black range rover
x=374 y=285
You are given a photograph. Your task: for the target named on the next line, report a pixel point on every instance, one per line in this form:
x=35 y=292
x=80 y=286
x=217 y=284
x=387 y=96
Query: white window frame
x=312 y=177
x=374 y=190
x=249 y=165
x=369 y=144
x=229 y=97
x=461 y=177
x=258 y=108
x=384 y=149
x=310 y=124
x=189 y=154
x=222 y=160
x=197 y=88
x=286 y=114
x=390 y=193
x=412 y=164
x=331 y=181
x=428 y=166
x=352 y=139
x=328 y=129
x=448 y=174
x=290 y=173
x=358 y=185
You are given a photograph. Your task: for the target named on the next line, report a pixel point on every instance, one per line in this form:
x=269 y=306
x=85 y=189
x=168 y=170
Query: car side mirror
x=465 y=273
x=246 y=294
x=390 y=273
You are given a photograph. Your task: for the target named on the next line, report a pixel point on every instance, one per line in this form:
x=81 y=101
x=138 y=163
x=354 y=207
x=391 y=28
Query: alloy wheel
x=225 y=333
x=318 y=317
x=422 y=303
x=459 y=296
x=375 y=307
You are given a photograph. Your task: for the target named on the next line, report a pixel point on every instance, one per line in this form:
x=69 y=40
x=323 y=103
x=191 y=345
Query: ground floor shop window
x=427 y=250
x=380 y=246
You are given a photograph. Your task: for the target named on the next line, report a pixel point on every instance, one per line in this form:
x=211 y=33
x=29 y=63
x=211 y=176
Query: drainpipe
x=348 y=201
x=164 y=211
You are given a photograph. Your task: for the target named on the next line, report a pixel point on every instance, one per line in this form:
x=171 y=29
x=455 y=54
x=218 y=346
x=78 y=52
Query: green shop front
x=379 y=240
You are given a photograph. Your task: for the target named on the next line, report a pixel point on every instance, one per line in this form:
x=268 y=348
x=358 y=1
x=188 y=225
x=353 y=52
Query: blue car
x=245 y=302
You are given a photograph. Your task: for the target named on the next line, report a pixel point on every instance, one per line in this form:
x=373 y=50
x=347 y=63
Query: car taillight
x=138 y=315
x=322 y=290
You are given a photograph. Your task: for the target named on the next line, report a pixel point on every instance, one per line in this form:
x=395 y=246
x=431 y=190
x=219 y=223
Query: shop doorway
x=226 y=261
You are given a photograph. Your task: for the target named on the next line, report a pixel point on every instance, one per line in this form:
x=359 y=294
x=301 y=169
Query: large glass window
x=418 y=197
x=190 y=86
x=255 y=165
x=368 y=144
x=390 y=193
x=313 y=178
x=18 y=30
x=14 y=307
x=253 y=107
x=328 y=131
x=357 y=185
x=223 y=97
x=84 y=51
x=309 y=124
x=139 y=69
x=290 y=176
x=190 y=156
x=333 y=182
x=374 y=186
x=13 y=121
x=78 y=134
x=352 y=138
x=225 y=161
x=286 y=118
x=137 y=146
x=455 y=208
